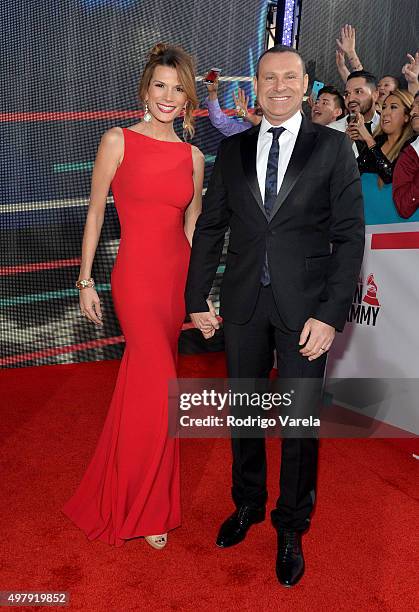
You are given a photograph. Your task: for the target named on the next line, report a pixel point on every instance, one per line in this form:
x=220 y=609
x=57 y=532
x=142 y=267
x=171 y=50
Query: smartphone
x=317 y=86
x=351 y=118
x=211 y=76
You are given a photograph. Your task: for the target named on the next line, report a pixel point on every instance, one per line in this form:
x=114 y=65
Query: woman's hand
x=356 y=130
x=90 y=305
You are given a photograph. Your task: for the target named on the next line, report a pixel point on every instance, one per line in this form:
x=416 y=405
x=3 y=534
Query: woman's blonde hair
x=406 y=99
x=175 y=57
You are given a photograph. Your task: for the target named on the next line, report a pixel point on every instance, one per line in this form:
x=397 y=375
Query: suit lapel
x=248 y=150
x=303 y=149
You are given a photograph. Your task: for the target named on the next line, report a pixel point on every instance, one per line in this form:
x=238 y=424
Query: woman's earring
x=147 y=114
x=185 y=124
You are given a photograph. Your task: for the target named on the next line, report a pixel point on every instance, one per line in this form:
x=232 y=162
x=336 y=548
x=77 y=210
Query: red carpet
x=359 y=552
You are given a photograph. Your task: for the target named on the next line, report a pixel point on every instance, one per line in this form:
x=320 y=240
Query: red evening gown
x=131 y=486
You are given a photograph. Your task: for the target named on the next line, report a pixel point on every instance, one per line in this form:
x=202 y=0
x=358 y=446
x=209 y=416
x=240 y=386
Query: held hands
x=320 y=337
x=90 y=305
x=207 y=322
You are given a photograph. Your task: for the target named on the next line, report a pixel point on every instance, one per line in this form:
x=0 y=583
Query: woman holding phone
x=131 y=486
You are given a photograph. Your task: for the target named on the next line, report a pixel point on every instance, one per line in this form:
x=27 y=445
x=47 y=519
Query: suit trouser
x=250 y=352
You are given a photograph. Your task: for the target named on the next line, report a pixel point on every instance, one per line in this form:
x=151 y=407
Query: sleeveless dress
x=131 y=486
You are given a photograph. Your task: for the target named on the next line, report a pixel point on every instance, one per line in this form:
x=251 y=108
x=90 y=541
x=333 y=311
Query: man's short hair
x=370 y=79
x=330 y=89
x=280 y=49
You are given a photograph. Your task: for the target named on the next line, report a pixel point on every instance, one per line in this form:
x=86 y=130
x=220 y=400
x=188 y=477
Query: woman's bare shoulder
x=197 y=155
x=112 y=144
x=113 y=137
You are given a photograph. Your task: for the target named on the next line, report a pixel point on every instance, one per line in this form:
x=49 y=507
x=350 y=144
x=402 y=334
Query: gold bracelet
x=85 y=283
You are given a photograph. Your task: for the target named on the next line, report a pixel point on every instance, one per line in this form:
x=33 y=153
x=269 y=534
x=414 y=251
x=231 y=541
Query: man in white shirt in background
x=360 y=96
x=329 y=106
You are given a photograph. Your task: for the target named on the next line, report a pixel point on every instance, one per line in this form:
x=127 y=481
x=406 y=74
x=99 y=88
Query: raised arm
x=241 y=102
x=411 y=73
x=341 y=66
x=346 y=44
x=109 y=156
x=224 y=124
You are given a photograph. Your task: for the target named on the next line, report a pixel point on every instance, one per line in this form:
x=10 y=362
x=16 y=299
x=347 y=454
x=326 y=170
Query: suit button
x=272 y=233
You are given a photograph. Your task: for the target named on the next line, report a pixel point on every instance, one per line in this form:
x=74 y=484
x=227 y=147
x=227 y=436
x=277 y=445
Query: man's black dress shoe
x=234 y=529
x=290 y=559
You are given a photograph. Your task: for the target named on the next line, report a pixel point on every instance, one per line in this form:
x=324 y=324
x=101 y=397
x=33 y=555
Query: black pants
x=250 y=351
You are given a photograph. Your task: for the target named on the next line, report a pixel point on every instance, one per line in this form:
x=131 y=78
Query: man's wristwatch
x=85 y=282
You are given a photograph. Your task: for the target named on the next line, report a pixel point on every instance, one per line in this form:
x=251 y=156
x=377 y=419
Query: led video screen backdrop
x=71 y=71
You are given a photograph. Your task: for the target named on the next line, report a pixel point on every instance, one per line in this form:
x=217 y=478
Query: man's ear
x=305 y=83
x=255 y=85
x=337 y=112
x=375 y=95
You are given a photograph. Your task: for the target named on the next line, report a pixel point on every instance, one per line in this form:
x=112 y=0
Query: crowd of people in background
x=379 y=115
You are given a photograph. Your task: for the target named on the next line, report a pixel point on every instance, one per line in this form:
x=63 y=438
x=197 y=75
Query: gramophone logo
x=365 y=306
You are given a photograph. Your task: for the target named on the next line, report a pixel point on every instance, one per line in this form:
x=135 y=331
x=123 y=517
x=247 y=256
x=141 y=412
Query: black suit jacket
x=314 y=238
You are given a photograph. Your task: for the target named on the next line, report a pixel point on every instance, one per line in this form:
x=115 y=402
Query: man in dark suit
x=290 y=193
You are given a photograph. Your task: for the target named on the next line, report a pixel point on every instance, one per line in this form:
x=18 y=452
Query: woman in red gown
x=131 y=486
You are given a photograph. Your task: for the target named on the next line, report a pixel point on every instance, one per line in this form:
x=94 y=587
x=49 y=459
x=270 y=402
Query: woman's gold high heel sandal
x=157 y=541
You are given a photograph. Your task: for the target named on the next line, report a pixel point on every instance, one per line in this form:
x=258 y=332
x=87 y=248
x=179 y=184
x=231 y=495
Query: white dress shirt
x=415 y=145
x=342 y=124
x=286 y=146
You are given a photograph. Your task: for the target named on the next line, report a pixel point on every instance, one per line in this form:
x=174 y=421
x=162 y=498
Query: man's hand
x=347 y=40
x=411 y=72
x=320 y=337
x=206 y=322
x=212 y=89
